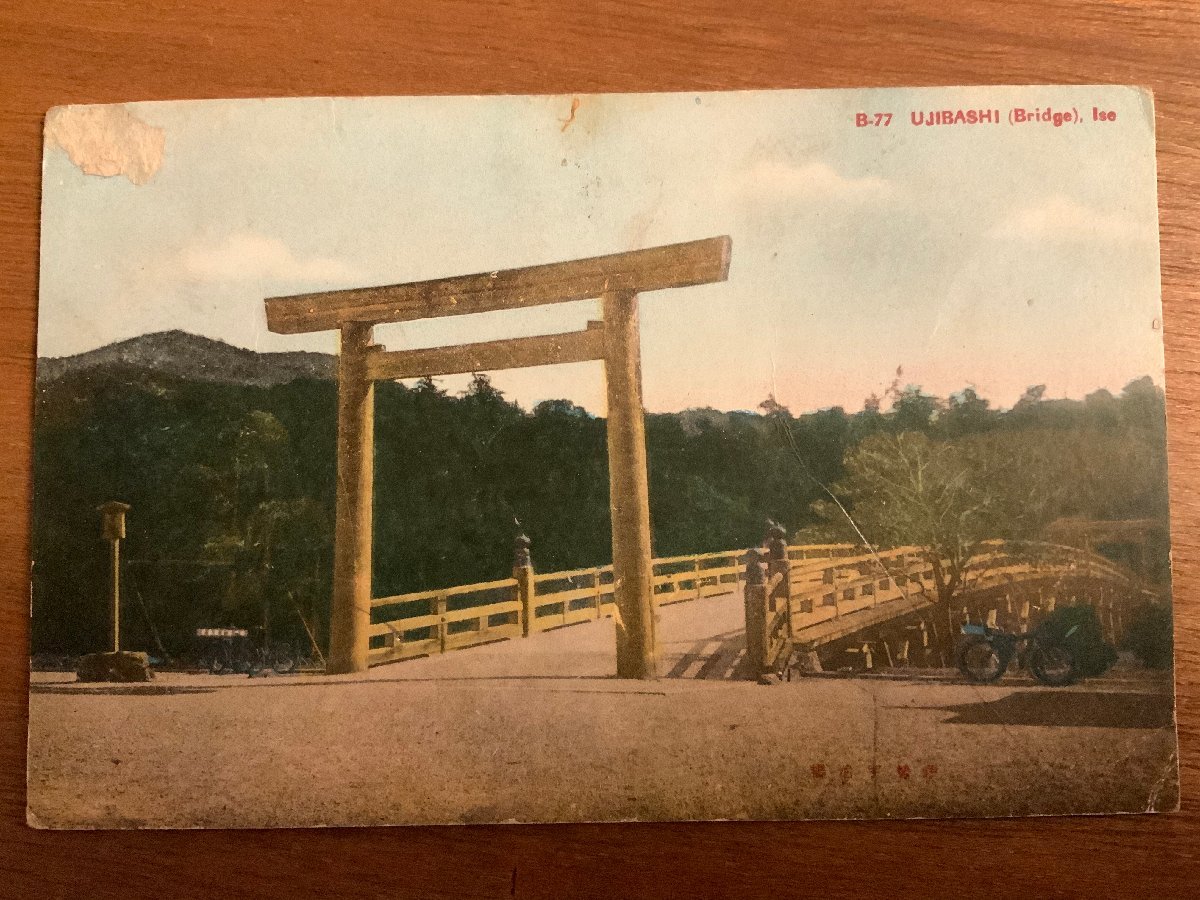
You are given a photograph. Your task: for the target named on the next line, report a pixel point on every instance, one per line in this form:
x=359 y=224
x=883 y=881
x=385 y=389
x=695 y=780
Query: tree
x=273 y=543
x=1143 y=405
x=260 y=460
x=947 y=497
x=966 y=413
x=561 y=408
x=773 y=408
x=1031 y=396
x=1150 y=635
x=914 y=410
x=1103 y=409
x=289 y=552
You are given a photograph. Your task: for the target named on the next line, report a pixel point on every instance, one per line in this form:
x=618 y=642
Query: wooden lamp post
x=112 y=524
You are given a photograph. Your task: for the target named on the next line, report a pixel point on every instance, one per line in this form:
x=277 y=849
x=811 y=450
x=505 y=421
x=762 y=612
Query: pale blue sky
x=997 y=256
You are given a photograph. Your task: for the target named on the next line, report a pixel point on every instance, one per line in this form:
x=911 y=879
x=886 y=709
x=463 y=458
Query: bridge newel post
x=350 y=615
x=523 y=573
x=629 y=492
x=755 y=600
x=778 y=563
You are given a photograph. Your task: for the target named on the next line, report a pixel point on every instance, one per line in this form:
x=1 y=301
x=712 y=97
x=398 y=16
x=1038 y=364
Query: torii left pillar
x=350 y=615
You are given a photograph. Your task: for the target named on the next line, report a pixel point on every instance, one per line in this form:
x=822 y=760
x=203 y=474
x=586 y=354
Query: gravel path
x=536 y=730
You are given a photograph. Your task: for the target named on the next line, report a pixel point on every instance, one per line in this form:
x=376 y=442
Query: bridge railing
x=426 y=622
x=858 y=582
x=436 y=621
x=1034 y=554
x=681 y=578
x=792 y=596
x=816 y=583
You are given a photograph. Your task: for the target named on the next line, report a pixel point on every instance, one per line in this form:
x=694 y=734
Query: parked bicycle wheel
x=282 y=660
x=979 y=661
x=220 y=662
x=1054 y=666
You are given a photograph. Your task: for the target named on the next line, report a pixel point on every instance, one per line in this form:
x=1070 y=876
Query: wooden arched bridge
x=748 y=614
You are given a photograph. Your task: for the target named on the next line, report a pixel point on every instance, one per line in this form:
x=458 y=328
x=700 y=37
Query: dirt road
x=500 y=734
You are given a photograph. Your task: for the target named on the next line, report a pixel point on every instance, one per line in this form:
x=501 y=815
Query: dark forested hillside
x=231 y=483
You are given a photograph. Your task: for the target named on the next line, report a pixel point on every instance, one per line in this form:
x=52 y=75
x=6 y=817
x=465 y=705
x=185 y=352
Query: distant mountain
x=185 y=355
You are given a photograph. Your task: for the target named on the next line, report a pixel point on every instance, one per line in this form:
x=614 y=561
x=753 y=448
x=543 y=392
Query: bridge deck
x=698 y=639
x=703 y=639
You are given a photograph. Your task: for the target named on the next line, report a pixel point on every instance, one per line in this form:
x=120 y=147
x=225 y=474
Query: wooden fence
x=436 y=621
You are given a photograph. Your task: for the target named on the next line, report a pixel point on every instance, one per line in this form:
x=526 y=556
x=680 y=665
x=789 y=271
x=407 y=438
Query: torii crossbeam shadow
x=617 y=280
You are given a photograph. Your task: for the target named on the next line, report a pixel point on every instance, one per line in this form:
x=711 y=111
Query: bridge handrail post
x=755 y=600
x=779 y=563
x=526 y=590
x=440 y=605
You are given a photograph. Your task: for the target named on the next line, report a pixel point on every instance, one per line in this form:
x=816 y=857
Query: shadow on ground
x=1079 y=709
x=722 y=657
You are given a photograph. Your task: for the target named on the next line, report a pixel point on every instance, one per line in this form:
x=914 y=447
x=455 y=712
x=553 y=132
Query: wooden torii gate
x=617 y=280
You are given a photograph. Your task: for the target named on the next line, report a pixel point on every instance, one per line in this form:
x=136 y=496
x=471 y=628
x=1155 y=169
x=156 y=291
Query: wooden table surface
x=86 y=52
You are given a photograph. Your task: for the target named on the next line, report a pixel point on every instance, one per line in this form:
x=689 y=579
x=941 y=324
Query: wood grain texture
x=648 y=269
x=509 y=353
x=79 y=52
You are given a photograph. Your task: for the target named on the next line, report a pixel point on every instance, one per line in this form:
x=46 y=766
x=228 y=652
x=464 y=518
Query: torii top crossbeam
x=616 y=279
x=638 y=271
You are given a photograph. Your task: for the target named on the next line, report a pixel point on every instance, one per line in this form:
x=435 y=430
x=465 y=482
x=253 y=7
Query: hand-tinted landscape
x=228 y=459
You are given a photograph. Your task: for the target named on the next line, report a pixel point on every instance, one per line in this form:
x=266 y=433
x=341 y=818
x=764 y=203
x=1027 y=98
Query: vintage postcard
x=756 y=455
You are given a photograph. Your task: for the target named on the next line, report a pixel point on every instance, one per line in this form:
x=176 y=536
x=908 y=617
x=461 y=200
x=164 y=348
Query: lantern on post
x=112 y=529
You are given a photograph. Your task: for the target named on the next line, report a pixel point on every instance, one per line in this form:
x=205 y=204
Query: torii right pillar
x=629 y=491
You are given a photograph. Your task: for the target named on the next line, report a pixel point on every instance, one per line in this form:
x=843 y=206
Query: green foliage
x=966 y=413
x=914 y=410
x=950 y=476
x=232 y=488
x=1149 y=635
